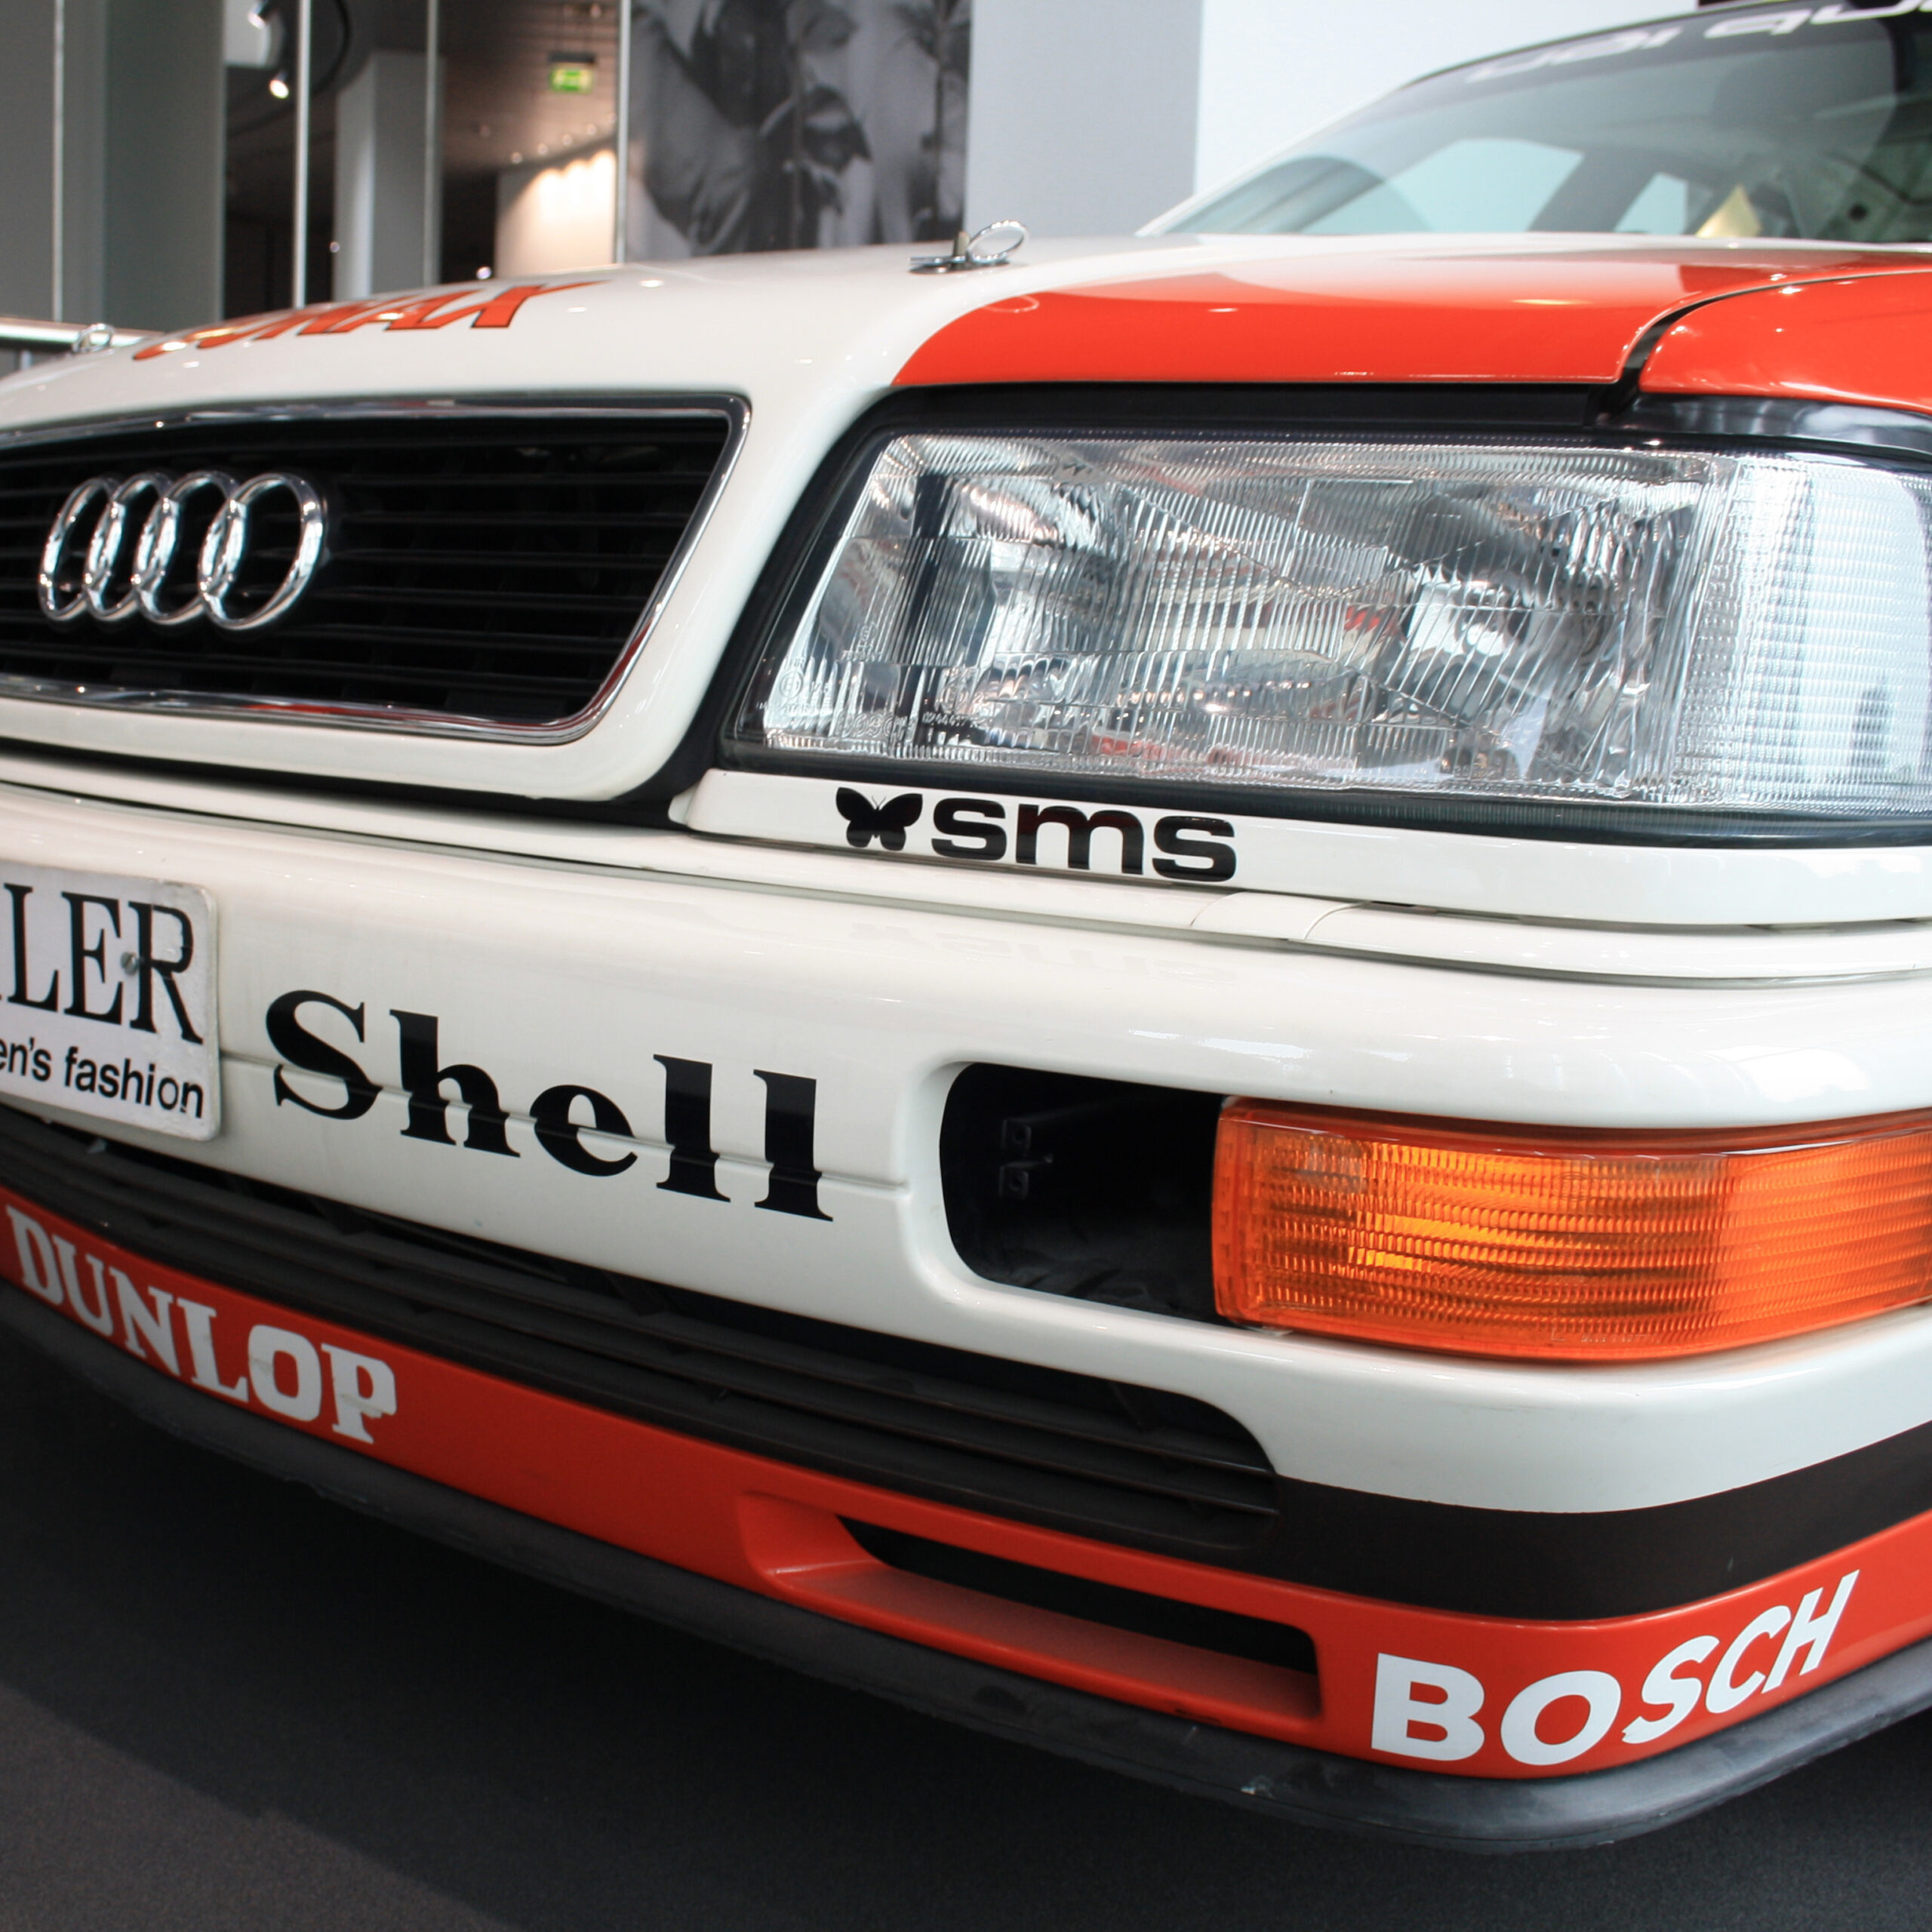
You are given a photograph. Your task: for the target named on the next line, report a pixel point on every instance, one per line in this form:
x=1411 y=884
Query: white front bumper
x=545 y=972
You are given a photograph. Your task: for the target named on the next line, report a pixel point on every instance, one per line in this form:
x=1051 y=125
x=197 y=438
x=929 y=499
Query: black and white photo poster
x=796 y=124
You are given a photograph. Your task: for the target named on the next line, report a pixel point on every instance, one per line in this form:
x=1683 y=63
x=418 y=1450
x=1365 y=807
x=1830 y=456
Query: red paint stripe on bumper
x=767 y=1527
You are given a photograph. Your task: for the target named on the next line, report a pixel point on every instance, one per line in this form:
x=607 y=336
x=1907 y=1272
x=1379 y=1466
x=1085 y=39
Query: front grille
x=490 y=566
x=1100 y=1459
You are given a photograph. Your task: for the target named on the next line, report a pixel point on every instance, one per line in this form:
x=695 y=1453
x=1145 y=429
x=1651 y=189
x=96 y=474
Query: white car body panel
x=1583 y=985
x=551 y=971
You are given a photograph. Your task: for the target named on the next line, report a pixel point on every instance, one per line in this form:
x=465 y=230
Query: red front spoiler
x=1426 y=1689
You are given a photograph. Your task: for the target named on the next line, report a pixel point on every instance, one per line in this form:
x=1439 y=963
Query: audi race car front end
x=1173 y=998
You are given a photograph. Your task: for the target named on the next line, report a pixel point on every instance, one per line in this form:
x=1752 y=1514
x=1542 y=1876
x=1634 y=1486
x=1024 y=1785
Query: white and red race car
x=1176 y=994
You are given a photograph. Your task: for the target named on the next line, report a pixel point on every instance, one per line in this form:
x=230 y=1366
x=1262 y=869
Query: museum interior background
x=149 y=146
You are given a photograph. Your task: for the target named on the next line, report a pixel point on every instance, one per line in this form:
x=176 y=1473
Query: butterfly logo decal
x=865 y=821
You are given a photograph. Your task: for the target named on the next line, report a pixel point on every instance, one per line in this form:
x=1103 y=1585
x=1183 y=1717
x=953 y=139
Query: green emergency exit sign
x=572 y=73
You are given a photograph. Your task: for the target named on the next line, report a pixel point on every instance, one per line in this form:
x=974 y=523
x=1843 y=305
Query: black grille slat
x=1044 y=1445
x=587 y=604
x=565 y=1319
x=505 y=558
x=468 y=667
x=488 y=566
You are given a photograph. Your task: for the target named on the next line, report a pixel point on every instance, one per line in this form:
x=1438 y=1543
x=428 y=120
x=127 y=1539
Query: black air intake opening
x=1101 y=1189
x=1226 y=1631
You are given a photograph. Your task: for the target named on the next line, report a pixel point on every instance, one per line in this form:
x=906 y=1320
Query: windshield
x=1813 y=122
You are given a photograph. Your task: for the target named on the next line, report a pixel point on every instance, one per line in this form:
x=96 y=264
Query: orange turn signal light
x=1572 y=1245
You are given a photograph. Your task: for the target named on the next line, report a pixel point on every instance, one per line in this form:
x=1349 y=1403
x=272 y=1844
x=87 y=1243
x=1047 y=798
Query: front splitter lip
x=1287 y=1781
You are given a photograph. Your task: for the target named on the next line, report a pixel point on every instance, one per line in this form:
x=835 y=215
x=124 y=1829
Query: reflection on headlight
x=1537 y=621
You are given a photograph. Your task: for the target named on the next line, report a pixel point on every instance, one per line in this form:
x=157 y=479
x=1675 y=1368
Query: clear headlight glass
x=1631 y=627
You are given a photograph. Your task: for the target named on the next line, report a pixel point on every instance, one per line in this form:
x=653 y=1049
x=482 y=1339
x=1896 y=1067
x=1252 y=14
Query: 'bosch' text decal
x=497 y=310
x=1435 y=1711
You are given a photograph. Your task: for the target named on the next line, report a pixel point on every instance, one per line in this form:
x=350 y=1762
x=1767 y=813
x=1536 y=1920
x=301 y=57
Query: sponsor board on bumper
x=1458 y=1693
x=110 y=1005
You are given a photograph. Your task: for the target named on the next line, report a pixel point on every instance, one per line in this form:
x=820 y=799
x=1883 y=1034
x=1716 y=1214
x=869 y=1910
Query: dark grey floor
x=224 y=1703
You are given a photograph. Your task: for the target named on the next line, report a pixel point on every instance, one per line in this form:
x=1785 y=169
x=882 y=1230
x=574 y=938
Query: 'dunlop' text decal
x=265 y=1365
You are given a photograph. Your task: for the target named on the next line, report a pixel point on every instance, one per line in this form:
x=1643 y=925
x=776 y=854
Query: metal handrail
x=66 y=338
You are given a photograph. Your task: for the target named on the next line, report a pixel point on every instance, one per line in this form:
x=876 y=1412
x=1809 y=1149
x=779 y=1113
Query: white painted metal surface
x=548 y=972
x=1546 y=878
x=1532 y=981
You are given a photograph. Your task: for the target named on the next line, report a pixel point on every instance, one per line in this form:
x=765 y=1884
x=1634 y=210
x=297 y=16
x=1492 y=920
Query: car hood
x=829 y=329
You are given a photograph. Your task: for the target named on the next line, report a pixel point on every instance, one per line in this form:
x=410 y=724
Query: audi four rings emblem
x=115 y=583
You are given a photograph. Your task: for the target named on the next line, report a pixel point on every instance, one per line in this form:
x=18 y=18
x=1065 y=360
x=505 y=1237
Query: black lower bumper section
x=1286 y=1780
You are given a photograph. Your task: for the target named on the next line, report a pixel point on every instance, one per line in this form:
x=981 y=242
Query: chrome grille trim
x=733 y=411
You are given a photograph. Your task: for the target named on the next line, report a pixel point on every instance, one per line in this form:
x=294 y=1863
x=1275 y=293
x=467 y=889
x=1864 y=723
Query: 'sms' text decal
x=1172 y=845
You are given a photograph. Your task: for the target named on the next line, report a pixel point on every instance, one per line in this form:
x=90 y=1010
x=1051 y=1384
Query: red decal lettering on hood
x=498 y=311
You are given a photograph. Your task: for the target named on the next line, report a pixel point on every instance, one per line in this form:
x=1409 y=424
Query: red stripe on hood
x=1506 y=317
x=1862 y=341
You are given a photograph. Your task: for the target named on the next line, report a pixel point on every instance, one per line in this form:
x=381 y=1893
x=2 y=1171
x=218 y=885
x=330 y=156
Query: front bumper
x=208 y=1360
x=605 y=969
x=1293 y=1782
x=617 y=951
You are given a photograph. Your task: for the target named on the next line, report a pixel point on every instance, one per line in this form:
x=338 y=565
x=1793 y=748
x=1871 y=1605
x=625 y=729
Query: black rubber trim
x=1285 y=1781
x=1610 y=1563
x=1119 y=1464
x=1757 y=418
x=494 y=1310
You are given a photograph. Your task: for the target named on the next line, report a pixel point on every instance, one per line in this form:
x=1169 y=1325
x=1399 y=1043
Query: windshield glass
x=1813 y=122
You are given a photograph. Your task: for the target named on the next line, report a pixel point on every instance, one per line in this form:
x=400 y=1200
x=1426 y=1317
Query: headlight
x=1665 y=629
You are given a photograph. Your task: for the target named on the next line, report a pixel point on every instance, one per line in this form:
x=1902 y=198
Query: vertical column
x=305 y=104
x=381 y=184
x=621 y=139
x=82 y=294
x=432 y=141
x=163 y=136
x=27 y=124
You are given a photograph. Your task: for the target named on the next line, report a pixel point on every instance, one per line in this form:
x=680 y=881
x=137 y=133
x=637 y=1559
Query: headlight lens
x=1508 y=621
